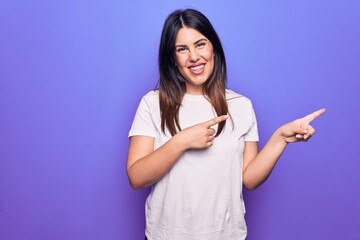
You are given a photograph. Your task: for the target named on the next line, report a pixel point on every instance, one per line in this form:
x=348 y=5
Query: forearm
x=152 y=167
x=260 y=168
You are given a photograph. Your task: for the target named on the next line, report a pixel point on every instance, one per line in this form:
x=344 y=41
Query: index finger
x=215 y=121
x=314 y=115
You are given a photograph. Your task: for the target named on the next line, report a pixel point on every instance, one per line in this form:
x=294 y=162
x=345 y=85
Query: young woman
x=195 y=141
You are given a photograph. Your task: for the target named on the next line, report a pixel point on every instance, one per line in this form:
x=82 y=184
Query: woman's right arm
x=145 y=165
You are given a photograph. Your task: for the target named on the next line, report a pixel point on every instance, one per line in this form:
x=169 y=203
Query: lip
x=195 y=65
x=197 y=69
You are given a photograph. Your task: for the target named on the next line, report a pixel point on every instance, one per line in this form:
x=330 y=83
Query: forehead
x=188 y=35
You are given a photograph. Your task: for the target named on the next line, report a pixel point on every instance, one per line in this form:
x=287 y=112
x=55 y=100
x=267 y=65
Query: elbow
x=250 y=186
x=134 y=181
x=250 y=183
x=135 y=184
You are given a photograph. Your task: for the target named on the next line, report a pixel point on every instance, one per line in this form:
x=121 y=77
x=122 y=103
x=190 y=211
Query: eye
x=181 y=49
x=200 y=44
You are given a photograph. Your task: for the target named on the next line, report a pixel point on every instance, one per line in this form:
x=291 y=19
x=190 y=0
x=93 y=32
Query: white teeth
x=197 y=68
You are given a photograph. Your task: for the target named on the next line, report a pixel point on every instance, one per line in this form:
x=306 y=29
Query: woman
x=195 y=142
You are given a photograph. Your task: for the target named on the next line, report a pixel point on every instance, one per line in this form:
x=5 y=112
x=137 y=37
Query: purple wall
x=72 y=74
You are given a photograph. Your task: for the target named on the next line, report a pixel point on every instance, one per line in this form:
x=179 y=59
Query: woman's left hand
x=300 y=129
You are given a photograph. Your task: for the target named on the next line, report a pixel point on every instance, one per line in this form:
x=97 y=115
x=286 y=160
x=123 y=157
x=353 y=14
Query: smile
x=197 y=69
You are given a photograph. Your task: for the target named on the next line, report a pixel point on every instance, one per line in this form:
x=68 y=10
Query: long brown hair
x=172 y=84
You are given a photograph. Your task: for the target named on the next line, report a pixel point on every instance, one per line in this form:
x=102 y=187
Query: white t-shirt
x=200 y=198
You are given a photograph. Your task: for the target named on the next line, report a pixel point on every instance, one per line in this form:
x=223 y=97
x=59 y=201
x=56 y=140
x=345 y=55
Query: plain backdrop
x=73 y=72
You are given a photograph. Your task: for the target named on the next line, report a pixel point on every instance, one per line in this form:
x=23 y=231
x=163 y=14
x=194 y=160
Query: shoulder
x=233 y=97
x=240 y=108
x=150 y=100
x=151 y=96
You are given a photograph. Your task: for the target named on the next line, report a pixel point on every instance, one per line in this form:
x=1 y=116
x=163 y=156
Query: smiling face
x=194 y=58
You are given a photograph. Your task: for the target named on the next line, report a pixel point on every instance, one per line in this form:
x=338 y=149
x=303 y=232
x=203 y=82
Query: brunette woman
x=195 y=141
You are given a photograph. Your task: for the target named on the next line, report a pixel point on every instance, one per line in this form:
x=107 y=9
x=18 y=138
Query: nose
x=193 y=56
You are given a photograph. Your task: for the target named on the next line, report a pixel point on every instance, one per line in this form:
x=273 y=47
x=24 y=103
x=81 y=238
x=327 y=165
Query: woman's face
x=194 y=58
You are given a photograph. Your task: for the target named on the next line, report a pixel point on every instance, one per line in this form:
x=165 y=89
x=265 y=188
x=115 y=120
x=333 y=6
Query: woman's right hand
x=200 y=135
x=145 y=165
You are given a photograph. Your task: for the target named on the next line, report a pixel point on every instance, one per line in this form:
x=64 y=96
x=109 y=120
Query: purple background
x=72 y=74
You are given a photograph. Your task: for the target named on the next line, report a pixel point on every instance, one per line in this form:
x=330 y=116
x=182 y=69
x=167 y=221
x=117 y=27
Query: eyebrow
x=196 y=42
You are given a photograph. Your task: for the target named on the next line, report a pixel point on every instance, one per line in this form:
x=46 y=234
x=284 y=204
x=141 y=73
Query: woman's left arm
x=258 y=165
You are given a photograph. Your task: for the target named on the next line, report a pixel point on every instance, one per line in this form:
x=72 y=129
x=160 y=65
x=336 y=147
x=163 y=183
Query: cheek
x=209 y=55
x=180 y=62
x=211 y=58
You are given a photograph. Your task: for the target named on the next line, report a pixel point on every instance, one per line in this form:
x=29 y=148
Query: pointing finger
x=215 y=121
x=314 y=115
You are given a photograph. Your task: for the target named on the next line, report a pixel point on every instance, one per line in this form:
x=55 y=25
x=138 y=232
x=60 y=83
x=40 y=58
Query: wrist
x=280 y=136
x=179 y=143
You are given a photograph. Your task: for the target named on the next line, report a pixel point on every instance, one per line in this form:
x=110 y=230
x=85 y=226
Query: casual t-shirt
x=200 y=198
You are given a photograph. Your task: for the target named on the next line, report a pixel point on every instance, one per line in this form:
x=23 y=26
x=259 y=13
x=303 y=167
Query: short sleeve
x=252 y=135
x=143 y=124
